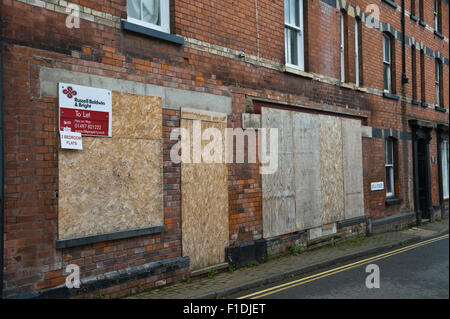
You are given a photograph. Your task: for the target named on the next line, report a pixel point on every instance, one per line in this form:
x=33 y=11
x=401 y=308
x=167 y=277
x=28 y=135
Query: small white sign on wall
x=71 y=140
x=378 y=186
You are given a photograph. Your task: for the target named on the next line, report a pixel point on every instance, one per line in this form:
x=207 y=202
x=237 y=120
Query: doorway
x=422 y=174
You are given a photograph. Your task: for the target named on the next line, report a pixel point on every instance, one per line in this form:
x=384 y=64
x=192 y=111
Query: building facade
x=358 y=91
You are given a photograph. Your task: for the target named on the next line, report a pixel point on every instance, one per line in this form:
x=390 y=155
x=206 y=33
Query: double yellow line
x=276 y=289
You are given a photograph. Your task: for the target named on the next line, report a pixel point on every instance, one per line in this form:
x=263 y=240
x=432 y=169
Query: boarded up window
x=115 y=184
x=319 y=178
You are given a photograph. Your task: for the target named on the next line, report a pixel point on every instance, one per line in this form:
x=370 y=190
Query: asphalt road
x=413 y=271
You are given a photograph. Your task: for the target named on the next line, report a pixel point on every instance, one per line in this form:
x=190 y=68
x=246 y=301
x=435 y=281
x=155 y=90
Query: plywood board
x=112 y=185
x=136 y=116
x=353 y=169
x=331 y=169
x=308 y=192
x=204 y=189
x=115 y=184
x=278 y=189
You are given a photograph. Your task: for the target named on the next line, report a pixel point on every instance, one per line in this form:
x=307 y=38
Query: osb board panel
x=204 y=189
x=278 y=189
x=136 y=116
x=308 y=192
x=353 y=169
x=111 y=185
x=331 y=169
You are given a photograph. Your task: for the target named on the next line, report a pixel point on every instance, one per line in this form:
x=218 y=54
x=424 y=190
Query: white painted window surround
x=342 y=47
x=437 y=81
x=444 y=164
x=356 y=52
x=153 y=14
x=294 y=34
x=387 y=62
x=389 y=163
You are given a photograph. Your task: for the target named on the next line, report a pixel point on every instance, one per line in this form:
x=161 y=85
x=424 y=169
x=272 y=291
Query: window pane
x=134 y=9
x=294 y=46
x=388 y=150
x=445 y=164
x=389 y=178
x=437 y=70
x=287 y=11
x=438 y=95
x=386 y=49
x=288 y=45
x=151 y=11
x=387 y=77
x=295 y=14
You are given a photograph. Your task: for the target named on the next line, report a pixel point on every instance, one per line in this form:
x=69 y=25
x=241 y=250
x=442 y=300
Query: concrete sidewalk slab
x=275 y=269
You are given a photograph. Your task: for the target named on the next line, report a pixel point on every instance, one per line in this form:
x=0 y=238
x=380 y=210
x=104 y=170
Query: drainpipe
x=404 y=116
x=405 y=80
x=2 y=203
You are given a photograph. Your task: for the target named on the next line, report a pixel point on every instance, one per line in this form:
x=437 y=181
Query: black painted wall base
x=243 y=254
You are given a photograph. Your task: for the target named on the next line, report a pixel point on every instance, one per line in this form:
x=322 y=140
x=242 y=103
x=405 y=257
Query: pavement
x=230 y=283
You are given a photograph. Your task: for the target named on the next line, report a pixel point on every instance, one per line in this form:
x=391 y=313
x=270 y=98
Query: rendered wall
x=115 y=184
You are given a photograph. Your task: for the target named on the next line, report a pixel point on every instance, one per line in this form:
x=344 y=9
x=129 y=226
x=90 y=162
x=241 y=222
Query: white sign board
x=378 y=186
x=71 y=140
x=85 y=110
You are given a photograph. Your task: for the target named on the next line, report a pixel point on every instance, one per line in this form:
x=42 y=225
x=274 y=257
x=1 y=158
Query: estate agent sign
x=85 y=110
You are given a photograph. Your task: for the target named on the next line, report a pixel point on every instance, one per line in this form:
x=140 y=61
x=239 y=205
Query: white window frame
x=437 y=81
x=300 y=37
x=389 y=143
x=388 y=63
x=342 y=47
x=357 y=52
x=165 y=18
x=436 y=15
x=444 y=168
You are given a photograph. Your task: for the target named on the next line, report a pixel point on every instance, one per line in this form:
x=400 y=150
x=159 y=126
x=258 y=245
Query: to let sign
x=85 y=110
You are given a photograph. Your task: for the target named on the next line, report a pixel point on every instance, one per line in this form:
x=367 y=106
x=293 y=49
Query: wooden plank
x=278 y=189
x=204 y=189
x=353 y=168
x=331 y=169
x=308 y=192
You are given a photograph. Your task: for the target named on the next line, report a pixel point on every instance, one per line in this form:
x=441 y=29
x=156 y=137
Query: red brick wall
x=36 y=37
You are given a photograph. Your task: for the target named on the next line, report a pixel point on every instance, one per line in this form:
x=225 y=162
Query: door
x=423 y=183
x=422 y=173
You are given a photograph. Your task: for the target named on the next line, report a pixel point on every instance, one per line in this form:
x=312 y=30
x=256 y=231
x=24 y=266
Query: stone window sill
x=391 y=96
x=128 y=26
x=391 y=3
x=438 y=34
x=413 y=17
x=440 y=109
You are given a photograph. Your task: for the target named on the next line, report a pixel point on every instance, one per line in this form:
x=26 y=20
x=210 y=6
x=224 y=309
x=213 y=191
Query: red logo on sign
x=70 y=92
